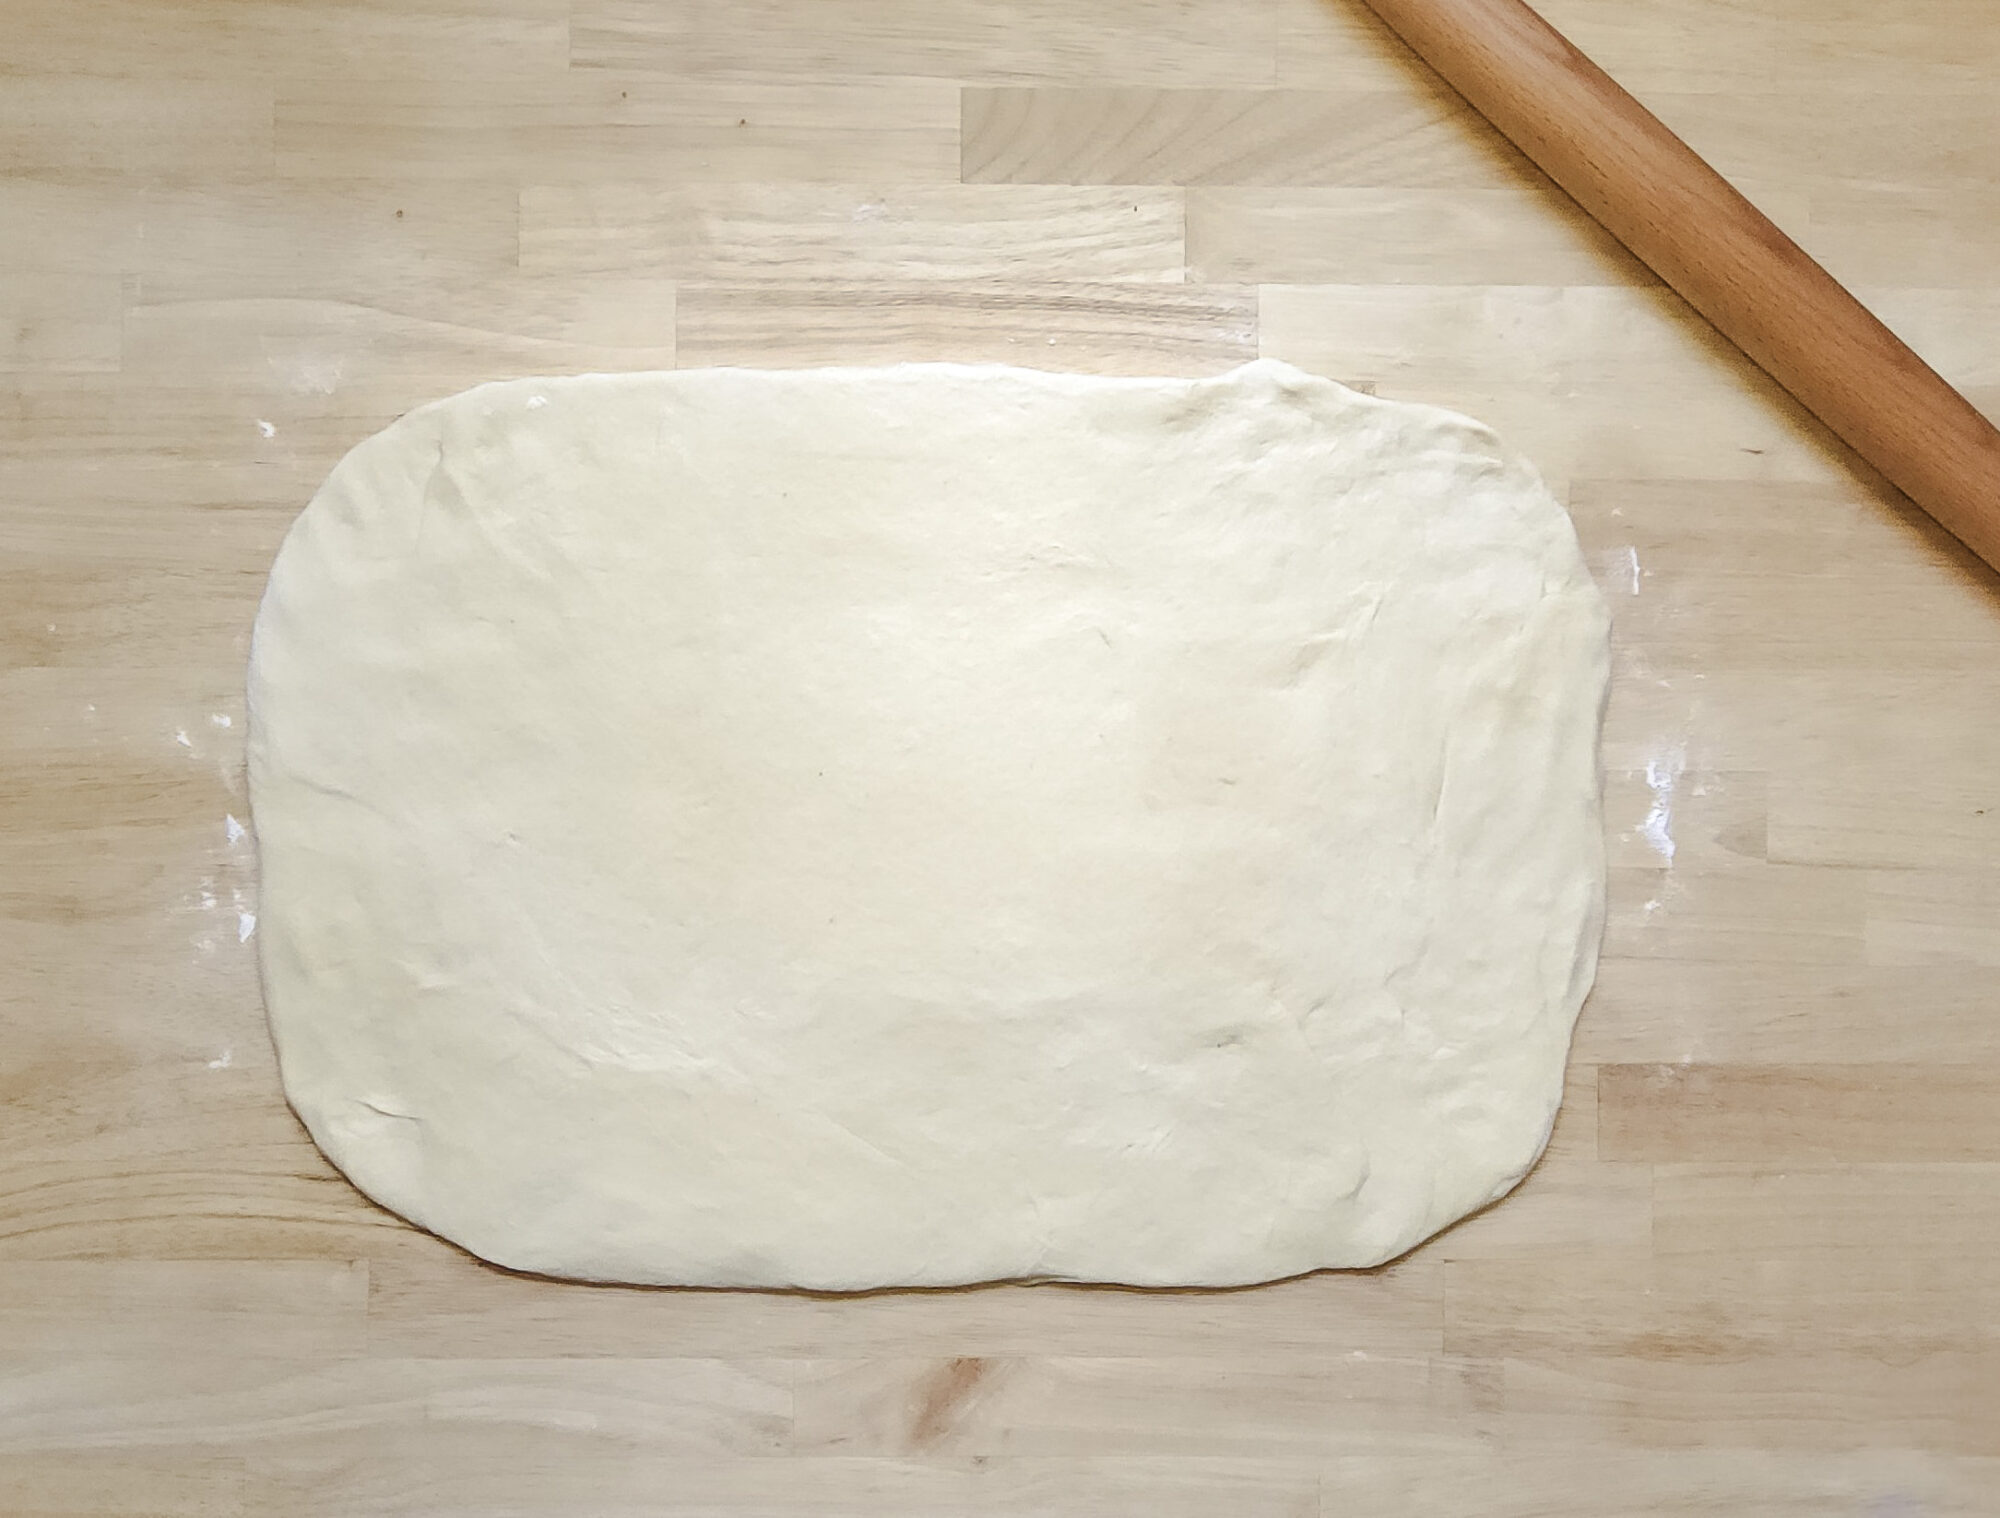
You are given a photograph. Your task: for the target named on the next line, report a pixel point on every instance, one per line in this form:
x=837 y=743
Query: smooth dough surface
x=850 y=828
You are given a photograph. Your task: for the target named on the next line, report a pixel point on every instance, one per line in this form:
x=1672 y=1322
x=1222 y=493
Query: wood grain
x=984 y=232
x=602 y=126
x=1394 y=136
x=1756 y=1272
x=1778 y=1114
x=1514 y=233
x=1119 y=328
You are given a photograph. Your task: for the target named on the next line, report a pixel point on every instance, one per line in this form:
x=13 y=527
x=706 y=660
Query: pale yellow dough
x=863 y=827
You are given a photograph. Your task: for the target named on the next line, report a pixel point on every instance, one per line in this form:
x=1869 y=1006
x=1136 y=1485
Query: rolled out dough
x=850 y=828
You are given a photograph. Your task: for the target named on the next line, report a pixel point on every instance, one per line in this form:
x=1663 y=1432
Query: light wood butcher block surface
x=1759 y=1270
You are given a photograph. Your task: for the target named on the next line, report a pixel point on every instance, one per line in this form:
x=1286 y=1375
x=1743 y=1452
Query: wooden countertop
x=1759 y=1271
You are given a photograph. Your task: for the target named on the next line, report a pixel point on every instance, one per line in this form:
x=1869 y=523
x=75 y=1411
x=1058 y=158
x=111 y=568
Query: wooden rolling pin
x=1722 y=254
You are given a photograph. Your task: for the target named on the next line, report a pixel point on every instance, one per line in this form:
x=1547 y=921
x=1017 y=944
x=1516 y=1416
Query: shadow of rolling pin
x=1723 y=255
